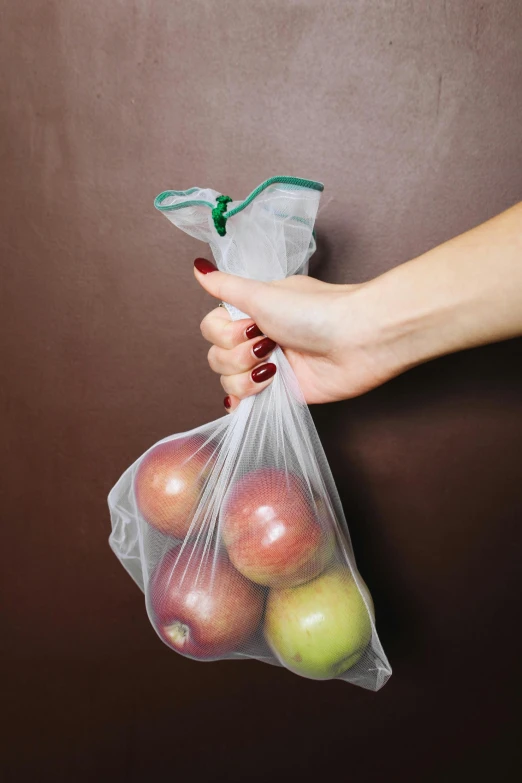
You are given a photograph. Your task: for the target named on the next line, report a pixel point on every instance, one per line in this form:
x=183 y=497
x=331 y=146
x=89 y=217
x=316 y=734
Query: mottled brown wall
x=410 y=113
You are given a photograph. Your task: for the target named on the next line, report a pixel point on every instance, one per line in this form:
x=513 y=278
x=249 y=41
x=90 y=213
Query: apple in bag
x=169 y=481
x=270 y=529
x=201 y=606
x=319 y=629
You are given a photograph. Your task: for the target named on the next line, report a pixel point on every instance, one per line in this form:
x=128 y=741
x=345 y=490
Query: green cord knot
x=218 y=214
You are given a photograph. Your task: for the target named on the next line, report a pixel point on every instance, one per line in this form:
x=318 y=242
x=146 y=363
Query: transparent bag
x=234 y=530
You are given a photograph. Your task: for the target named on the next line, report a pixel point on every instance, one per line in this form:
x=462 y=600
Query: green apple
x=319 y=629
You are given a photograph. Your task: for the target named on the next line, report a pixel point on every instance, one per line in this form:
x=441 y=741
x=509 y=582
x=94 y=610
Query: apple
x=169 y=481
x=201 y=606
x=270 y=529
x=319 y=629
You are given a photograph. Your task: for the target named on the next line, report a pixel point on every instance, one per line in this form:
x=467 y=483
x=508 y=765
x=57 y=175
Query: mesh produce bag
x=234 y=530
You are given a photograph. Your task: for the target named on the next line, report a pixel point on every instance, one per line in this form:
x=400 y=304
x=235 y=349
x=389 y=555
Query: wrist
x=397 y=329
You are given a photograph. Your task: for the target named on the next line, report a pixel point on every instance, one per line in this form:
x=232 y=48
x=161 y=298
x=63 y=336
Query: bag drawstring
x=218 y=214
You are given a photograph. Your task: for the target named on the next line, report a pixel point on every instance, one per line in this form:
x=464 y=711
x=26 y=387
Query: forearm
x=464 y=293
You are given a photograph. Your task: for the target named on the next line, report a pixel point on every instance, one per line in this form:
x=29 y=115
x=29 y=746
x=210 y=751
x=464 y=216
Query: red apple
x=202 y=606
x=169 y=481
x=270 y=530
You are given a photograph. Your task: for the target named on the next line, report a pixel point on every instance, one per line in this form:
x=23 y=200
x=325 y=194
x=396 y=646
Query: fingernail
x=253 y=331
x=263 y=347
x=204 y=266
x=263 y=373
x=227 y=402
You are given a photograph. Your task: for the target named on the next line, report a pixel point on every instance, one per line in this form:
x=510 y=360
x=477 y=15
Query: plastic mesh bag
x=234 y=530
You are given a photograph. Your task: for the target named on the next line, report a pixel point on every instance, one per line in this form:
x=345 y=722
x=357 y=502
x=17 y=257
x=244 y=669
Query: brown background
x=410 y=113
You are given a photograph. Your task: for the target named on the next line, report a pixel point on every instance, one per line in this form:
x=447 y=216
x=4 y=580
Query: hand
x=343 y=340
x=325 y=331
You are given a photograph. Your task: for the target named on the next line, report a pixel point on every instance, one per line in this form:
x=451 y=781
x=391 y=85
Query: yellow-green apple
x=270 y=529
x=169 y=481
x=321 y=628
x=200 y=605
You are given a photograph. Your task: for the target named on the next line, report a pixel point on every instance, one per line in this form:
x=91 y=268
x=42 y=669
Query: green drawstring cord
x=218 y=214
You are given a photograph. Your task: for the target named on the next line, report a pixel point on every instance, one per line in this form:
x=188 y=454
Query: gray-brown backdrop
x=411 y=114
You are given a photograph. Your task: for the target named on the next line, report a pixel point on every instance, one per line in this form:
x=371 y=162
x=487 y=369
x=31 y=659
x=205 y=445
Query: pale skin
x=344 y=340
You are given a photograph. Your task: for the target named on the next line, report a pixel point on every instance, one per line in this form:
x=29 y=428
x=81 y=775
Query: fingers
x=238 y=354
x=238 y=291
x=242 y=358
x=218 y=328
x=248 y=383
x=236 y=351
x=230 y=402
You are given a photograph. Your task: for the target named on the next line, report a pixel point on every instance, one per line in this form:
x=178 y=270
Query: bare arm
x=464 y=293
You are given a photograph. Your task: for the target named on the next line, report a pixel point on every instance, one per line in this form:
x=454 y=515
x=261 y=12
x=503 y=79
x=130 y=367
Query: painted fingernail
x=253 y=331
x=263 y=347
x=227 y=402
x=263 y=373
x=204 y=266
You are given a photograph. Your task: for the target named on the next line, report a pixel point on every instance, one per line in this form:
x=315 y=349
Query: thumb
x=241 y=292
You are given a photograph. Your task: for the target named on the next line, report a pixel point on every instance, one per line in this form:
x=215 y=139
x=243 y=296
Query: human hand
x=326 y=332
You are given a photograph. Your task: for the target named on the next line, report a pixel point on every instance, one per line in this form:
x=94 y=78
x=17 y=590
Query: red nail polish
x=263 y=373
x=253 y=331
x=263 y=347
x=227 y=402
x=204 y=266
